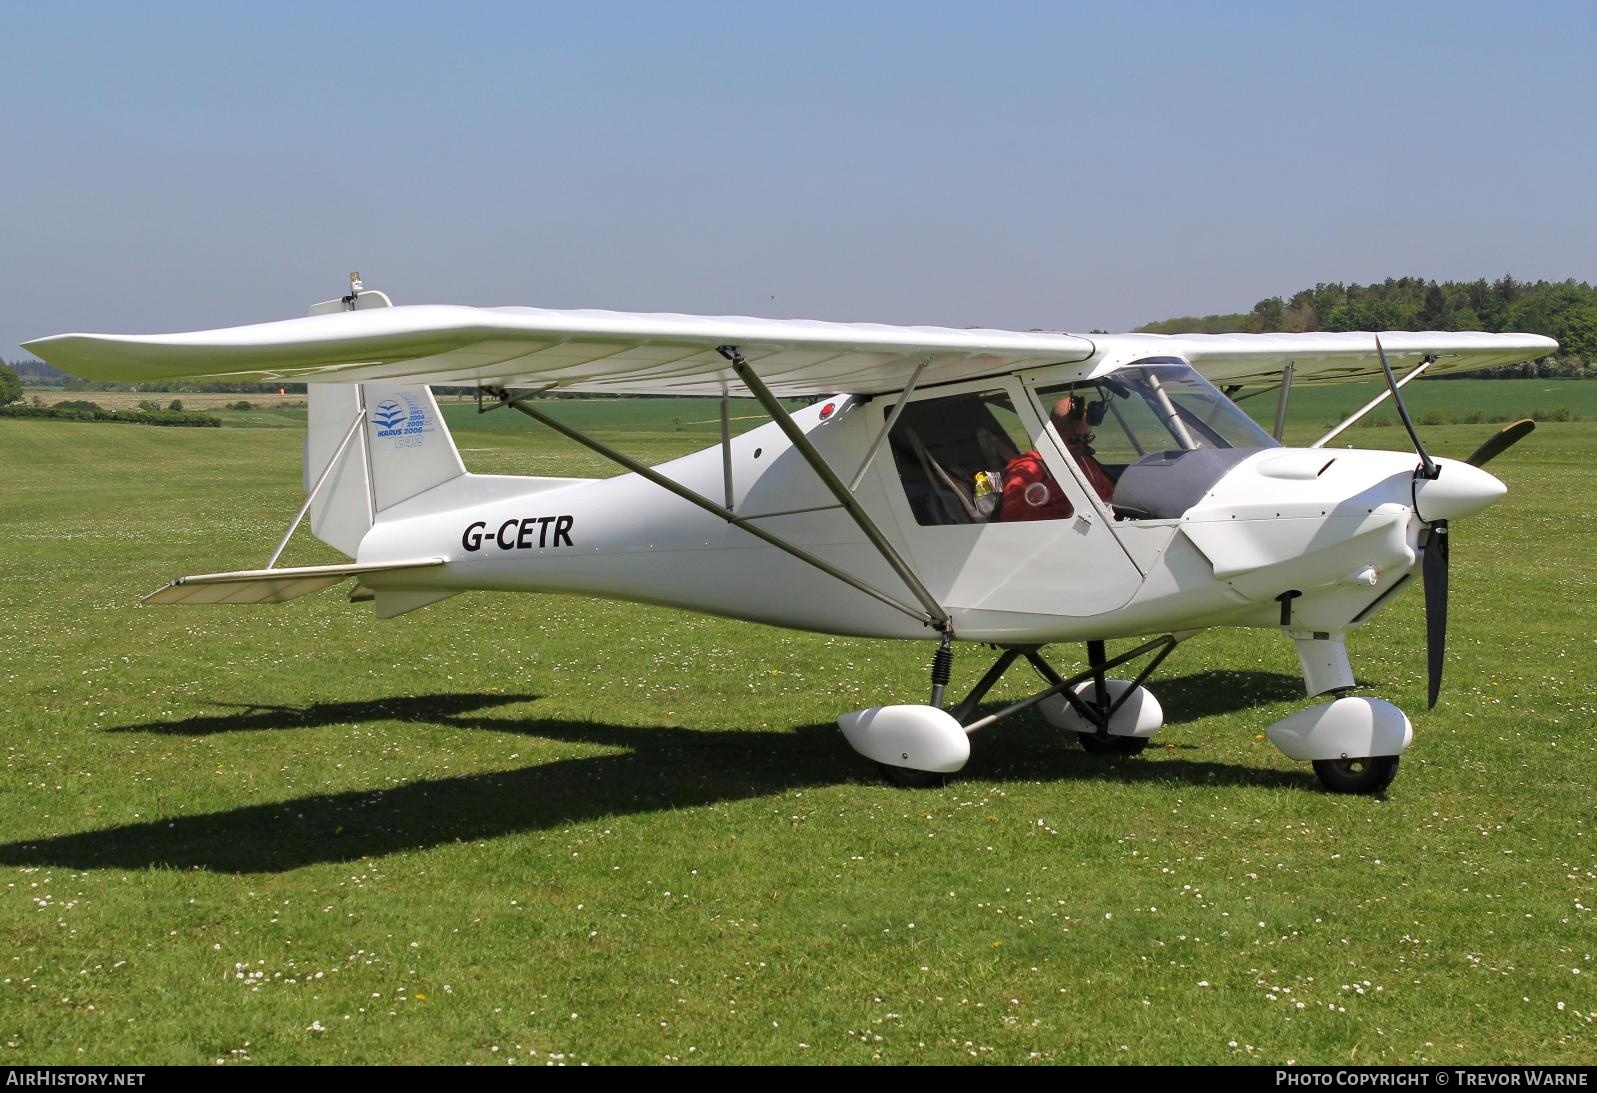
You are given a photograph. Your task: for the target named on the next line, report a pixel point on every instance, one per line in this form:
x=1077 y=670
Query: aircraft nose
x=1459 y=490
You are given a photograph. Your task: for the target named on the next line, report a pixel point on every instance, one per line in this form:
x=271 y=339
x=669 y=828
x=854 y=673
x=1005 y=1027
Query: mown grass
x=547 y=829
x=1316 y=409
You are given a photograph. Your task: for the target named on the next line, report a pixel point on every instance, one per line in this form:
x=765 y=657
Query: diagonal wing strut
x=785 y=422
x=931 y=611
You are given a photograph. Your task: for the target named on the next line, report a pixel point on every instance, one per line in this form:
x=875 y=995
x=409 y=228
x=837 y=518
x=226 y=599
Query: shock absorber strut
x=942 y=669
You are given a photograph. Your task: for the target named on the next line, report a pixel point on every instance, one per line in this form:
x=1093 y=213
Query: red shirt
x=1030 y=492
x=1097 y=477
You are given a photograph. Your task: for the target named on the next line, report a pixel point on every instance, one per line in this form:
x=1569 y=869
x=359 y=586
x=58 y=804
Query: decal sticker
x=403 y=420
x=526 y=533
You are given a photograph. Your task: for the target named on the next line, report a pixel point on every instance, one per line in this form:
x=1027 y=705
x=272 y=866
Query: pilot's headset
x=1084 y=409
x=1083 y=405
x=1095 y=410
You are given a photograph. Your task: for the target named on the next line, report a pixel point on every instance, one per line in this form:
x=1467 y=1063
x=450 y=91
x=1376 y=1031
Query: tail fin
x=377 y=444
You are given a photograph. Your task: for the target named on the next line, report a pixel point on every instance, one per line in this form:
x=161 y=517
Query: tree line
x=1565 y=310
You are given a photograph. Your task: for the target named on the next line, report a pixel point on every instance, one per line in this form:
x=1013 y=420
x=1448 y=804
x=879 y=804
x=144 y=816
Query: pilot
x=1030 y=492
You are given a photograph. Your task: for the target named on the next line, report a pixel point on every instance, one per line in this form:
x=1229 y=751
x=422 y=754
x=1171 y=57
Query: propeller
x=1500 y=441
x=1433 y=570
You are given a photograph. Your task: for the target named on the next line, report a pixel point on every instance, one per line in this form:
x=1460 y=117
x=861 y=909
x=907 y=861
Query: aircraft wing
x=629 y=353
x=1247 y=359
x=598 y=351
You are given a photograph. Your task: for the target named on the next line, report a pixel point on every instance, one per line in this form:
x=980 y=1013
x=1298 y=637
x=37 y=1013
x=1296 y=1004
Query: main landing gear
x=1353 y=742
x=918 y=746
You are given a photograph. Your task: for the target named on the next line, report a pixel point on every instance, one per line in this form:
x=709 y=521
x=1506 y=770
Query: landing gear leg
x=911 y=731
x=918 y=746
x=1353 y=742
x=942 y=668
x=1106 y=716
x=942 y=671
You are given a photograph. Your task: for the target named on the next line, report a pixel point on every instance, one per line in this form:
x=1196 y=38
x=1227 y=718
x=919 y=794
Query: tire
x=1368 y=776
x=1112 y=745
x=910 y=778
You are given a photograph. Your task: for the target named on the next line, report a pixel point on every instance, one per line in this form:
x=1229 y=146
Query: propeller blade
x=1500 y=441
x=1434 y=572
x=1427 y=467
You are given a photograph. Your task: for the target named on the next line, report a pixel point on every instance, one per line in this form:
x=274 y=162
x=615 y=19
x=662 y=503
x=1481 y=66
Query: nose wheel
x=1368 y=775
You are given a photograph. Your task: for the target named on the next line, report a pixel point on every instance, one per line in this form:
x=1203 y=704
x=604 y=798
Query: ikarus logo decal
x=403 y=420
x=388 y=415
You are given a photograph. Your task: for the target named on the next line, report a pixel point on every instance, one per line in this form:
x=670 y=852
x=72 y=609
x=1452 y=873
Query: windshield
x=1158 y=406
x=1159 y=431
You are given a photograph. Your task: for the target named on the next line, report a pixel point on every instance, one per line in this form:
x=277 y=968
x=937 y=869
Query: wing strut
x=360 y=414
x=801 y=443
x=887 y=426
x=1413 y=373
x=521 y=404
x=1281 y=404
x=726 y=445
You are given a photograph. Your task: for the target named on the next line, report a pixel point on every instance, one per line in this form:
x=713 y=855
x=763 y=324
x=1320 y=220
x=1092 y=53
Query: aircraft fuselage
x=1338 y=528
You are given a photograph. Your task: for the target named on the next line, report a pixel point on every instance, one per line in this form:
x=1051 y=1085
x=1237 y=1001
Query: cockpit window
x=951 y=453
x=1141 y=440
x=1146 y=421
x=1159 y=406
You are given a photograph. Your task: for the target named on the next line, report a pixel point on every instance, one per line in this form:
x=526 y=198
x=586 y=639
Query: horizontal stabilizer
x=271 y=585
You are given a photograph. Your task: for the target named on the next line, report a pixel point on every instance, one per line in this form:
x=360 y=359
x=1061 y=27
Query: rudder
x=378 y=444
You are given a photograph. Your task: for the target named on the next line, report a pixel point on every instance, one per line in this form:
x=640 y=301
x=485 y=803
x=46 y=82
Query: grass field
x=540 y=829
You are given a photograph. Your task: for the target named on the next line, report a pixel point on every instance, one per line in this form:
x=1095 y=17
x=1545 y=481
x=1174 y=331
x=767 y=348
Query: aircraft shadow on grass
x=662 y=768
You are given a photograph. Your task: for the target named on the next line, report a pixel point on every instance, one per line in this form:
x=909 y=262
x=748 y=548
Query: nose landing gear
x=1353 y=742
x=1368 y=775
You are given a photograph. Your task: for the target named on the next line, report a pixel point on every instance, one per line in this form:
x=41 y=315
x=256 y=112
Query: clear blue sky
x=178 y=166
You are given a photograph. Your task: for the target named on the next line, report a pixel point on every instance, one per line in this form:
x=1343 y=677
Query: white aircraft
x=994 y=487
